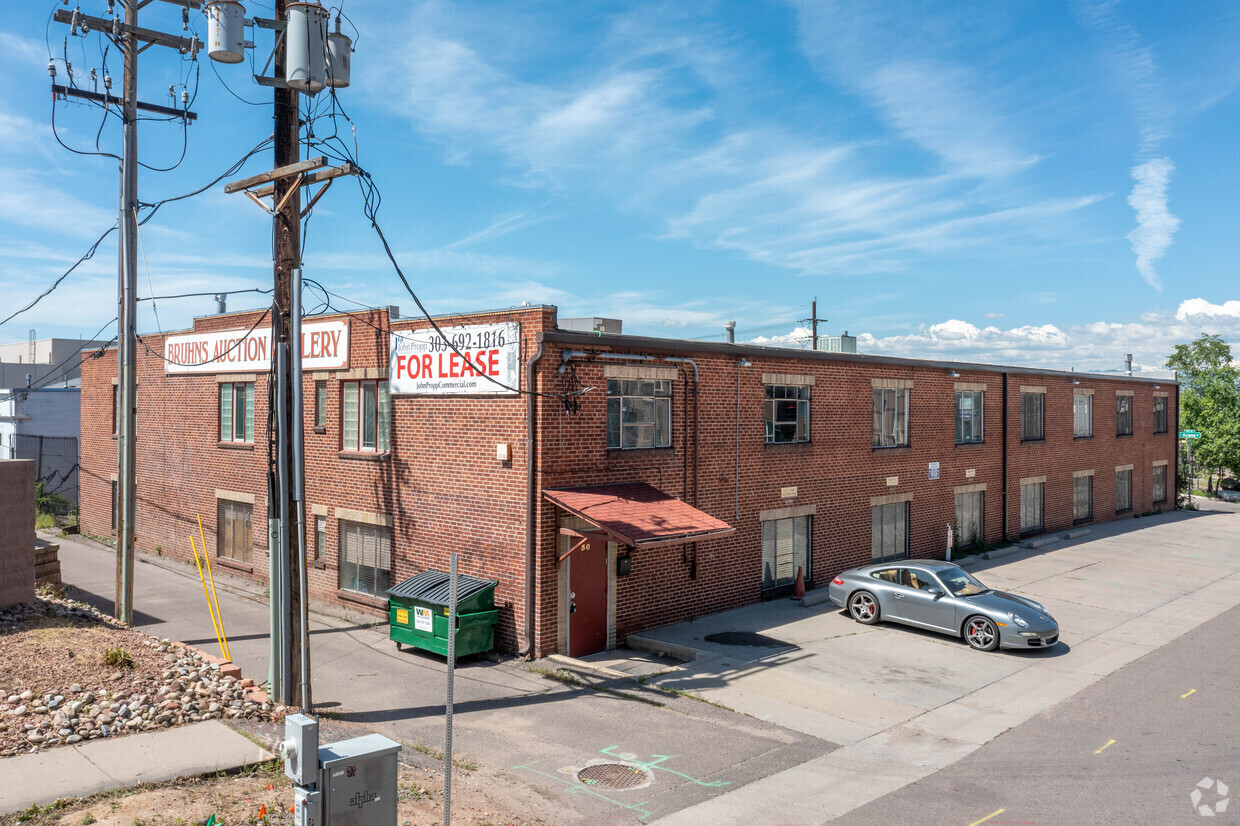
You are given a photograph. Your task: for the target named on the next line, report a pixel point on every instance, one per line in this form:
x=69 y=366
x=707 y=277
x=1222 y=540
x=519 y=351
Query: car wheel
x=981 y=633
x=863 y=607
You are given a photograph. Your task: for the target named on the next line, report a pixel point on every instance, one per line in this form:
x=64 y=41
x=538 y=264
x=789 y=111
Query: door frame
x=564 y=560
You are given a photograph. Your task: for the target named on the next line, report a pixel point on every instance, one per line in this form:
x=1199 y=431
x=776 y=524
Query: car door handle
x=898 y=596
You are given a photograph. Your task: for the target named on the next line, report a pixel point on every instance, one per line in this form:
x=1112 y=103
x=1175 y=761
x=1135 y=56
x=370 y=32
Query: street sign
x=1190 y=434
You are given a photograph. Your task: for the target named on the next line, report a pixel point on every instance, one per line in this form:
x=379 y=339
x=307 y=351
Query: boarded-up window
x=889 y=532
x=1031 y=507
x=365 y=558
x=785 y=548
x=969 y=509
x=233 y=537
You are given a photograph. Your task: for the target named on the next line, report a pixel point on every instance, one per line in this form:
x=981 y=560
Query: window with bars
x=320 y=538
x=320 y=404
x=969 y=513
x=365 y=416
x=639 y=413
x=1031 y=429
x=889 y=532
x=1123 y=415
x=365 y=558
x=237 y=411
x=1031 y=507
x=1159 y=486
x=1082 y=498
x=968 y=417
x=1123 y=490
x=1160 y=414
x=891 y=418
x=233 y=531
x=1082 y=415
x=787 y=414
x=785 y=548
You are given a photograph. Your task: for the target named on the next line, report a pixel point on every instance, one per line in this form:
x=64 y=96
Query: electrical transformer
x=350 y=783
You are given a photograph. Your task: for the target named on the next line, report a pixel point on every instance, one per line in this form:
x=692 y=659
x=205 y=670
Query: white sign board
x=423 y=362
x=934 y=470
x=422 y=620
x=324 y=346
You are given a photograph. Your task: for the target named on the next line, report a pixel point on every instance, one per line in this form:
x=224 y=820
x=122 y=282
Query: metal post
x=1191 y=478
x=447 y=747
x=299 y=483
x=814 y=313
x=126 y=339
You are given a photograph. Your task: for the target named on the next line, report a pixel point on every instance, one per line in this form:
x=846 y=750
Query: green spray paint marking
x=654 y=764
x=576 y=788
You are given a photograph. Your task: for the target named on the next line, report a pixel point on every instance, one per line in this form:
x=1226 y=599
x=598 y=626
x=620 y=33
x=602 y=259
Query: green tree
x=1210 y=400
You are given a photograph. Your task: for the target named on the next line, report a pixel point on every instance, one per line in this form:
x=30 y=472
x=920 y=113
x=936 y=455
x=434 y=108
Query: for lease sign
x=473 y=360
x=324 y=346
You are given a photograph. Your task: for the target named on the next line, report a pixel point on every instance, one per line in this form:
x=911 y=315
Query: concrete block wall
x=17 y=480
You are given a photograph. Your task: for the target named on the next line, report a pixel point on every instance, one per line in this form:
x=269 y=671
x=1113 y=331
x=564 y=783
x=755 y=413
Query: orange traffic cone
x=798 y=590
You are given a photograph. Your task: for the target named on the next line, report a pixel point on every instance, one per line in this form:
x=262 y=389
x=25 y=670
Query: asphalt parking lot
x=905 y=703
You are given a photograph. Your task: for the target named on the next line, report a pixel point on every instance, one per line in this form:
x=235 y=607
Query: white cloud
x=1156 y=226
x=995 y=315
x=1200 y=308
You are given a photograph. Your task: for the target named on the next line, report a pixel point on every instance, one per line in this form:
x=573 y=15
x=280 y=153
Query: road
x=527 y=734
x=1129 y=749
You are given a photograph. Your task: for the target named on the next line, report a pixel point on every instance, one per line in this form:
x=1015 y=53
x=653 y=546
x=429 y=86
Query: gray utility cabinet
x=357 y=779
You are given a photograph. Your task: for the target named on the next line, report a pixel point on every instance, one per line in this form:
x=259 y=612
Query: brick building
x=632 y=482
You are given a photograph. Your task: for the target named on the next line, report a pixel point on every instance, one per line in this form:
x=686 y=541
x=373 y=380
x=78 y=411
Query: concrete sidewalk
x=906 y=703
x=100 y=765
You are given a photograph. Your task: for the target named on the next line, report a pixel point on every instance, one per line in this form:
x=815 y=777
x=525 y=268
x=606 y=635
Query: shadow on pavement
x=108 y=605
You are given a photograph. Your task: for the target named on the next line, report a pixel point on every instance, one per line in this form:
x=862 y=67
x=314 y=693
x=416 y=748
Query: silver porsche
x=941 y=596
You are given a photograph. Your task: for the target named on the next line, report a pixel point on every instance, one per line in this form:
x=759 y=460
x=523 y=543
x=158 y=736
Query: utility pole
x=126 y=36
x=814 y=318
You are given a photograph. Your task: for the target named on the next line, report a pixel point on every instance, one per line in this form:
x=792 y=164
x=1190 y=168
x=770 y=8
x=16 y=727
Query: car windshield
x=961 y=583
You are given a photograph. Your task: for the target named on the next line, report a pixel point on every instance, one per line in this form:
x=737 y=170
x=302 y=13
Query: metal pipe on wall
x=299 y=482
x=286 y=631
x=531 y=460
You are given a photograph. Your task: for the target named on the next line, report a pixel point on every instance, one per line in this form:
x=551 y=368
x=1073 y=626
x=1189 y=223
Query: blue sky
x=1051 y=184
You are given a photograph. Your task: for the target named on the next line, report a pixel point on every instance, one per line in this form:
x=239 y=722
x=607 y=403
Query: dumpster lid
x=432 y=586
x=638 y=514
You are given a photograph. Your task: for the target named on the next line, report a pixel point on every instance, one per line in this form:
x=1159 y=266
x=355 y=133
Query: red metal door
x=587 y=599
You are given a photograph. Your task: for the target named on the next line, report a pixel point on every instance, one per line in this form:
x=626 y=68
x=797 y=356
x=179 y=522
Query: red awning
x=639 y=515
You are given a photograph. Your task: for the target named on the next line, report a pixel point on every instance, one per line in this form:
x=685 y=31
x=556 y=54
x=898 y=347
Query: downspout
x=690 y=498
x=1005 y=458
x=531 y=389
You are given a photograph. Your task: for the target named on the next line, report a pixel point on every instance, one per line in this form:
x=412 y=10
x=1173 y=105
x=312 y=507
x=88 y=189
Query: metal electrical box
x=357 y=781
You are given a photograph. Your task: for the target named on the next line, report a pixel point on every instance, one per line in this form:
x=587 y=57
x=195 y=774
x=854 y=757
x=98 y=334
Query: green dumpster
x=418 y=613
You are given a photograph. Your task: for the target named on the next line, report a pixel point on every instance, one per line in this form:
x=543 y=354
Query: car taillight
x=837 y=581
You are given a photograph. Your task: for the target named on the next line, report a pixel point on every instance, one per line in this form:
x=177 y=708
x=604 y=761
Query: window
x=320 y=538
x=1082 y=415
x=1082 y=498
x=1031 y=507
x=1031 y=417
x=320 y=404
x=968 y=417
x=366 y=416
x=233 y=534
x=237 y=411
x=1160 y=483
x=969 y=533
x=890 y=418
x=1123 y=490
x=785 y=548
x=365 y=558
x=889 y=532
x=1123 y=415
x=1160 y=414
x=787 y=414
x=914 y=578
x=639 y=413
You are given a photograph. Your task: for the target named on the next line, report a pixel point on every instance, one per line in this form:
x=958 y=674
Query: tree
x=1210 y=400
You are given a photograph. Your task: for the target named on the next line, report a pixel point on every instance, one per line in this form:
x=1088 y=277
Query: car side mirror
x=934 y=592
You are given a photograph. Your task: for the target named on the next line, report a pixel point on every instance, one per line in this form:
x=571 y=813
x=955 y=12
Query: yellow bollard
x=205 y=595
x=211 y=577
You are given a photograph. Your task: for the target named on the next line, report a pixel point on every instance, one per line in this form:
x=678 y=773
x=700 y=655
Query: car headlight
x=1016 y=618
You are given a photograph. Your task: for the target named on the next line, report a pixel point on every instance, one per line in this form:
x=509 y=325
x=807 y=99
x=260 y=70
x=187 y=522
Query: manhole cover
x=748 y=638
x=613 y=776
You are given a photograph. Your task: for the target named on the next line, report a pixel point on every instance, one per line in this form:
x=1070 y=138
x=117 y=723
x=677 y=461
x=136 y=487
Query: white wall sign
x=324 y=346
x=422 y=362
x=934 y=470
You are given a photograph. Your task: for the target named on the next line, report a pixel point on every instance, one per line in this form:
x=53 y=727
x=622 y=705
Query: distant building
x=838 y=344
x=48 y=361
x=43 y=425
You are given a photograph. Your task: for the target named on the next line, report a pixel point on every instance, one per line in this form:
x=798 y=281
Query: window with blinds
x=785 y=547
x=1123 y=490
x=1082 y=498
x=1160 y=483
x=969 y=510
x=1123 y=415
x=233 y=532
x=968 y=417
x=1082 y=415
x=889 y=532
x=1031 y=417
x=365 y=558
x=891 y=418
x=1031 y=507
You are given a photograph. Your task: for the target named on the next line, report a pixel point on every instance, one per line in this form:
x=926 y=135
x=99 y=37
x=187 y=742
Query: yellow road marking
x=995 y=813
x=1190 y=691
x=1104 y=747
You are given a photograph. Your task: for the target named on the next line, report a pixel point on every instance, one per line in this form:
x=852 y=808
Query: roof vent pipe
x=729 y=330
x=1128 y=359
x=221 y=303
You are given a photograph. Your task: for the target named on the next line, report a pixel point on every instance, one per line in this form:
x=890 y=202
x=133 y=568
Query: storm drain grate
x=613 y=776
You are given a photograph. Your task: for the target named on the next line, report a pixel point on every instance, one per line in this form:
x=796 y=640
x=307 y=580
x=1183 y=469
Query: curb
x=663 y=649
x=816 y=597
x=610 y=673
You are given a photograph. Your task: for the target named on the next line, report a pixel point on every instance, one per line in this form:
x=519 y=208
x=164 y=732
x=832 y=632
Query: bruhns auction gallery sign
x=324 y=346
x=473 y=360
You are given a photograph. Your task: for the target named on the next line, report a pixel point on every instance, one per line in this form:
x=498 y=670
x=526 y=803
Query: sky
x=1031 y=183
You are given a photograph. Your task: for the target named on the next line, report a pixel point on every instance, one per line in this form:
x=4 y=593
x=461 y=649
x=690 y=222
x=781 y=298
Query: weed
x=558 y=674
x=44 y=521
x=88 y=819
x=117 y=657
